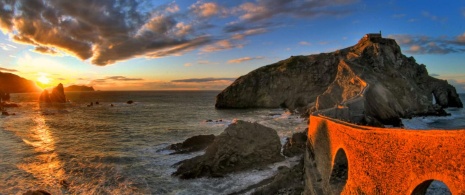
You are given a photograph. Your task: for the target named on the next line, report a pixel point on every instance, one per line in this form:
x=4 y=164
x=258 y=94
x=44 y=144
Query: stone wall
x=381 y=160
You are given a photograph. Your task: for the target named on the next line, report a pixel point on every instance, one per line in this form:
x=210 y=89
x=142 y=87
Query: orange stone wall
x=389 y=161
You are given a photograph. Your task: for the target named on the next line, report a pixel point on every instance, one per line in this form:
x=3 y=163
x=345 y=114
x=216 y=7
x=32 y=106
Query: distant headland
x=79 y=88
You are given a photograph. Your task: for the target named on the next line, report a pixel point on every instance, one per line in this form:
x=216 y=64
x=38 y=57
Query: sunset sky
x=158 y=45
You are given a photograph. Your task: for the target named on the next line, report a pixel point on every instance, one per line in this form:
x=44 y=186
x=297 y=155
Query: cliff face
x=291 y=83
x=371 y=82
x=11 y=83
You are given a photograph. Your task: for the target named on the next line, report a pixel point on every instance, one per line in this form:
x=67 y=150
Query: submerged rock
x=370 y=81
x=192 y=144
x=242 y=145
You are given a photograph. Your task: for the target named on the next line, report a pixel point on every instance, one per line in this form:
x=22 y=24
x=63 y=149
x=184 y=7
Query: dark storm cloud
x=45 y=50
x=108 y=31
x=417 y=44
x=202 y=80
x=103 y=31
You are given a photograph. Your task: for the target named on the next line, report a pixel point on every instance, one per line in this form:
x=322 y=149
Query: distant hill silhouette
x=11 y=83
x=79 y=88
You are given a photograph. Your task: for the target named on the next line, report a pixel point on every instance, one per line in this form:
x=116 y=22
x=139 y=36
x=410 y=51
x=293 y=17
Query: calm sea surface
x=75 y=149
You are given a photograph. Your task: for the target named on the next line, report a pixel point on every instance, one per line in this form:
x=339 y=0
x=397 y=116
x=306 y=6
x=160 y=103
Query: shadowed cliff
x=371 y=82
x=11 y=83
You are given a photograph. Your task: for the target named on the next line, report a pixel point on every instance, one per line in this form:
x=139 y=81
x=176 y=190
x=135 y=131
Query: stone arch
x=430 y=187
x=339 y=172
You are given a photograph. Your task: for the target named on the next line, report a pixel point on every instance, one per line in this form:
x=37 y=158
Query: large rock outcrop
x=56 y=96
x=242 y=145
x=371 y=82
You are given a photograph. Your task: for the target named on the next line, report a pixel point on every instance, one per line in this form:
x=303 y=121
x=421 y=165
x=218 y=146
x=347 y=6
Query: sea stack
x=370 y=83
x=57 y=95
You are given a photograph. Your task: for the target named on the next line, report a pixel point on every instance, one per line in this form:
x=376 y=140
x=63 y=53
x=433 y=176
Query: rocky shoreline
x=245 y=146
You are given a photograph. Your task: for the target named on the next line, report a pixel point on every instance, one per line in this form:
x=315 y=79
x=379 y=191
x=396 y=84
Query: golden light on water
x=46 y=166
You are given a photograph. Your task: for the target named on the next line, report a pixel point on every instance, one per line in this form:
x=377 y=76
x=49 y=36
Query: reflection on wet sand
x=45 y=166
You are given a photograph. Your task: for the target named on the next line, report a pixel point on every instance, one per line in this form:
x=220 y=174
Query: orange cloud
x=206 y=9
x=221 y=45
x=244 y=59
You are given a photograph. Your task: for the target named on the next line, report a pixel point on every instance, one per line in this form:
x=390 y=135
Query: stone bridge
x=343 y=158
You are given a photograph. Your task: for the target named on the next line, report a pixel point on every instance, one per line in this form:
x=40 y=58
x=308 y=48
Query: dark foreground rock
x=288 y=181
x=242 y=145
x=295 y=145
x=56 y=96
x=371 y=81
x=192 y=144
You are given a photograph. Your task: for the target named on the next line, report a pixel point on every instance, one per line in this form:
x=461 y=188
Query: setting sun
x=43 y=79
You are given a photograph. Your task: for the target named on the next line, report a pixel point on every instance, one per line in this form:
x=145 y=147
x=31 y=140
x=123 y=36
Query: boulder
x=192 y=144
x=295 y=145
x=242 y=145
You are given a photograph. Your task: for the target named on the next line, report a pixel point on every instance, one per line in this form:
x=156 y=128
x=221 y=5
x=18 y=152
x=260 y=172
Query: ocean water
x=455 y=121
x=75 y=149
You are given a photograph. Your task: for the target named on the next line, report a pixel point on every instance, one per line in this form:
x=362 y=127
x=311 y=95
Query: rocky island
x=370 y=83
x=56 y=96
x=79 y=88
